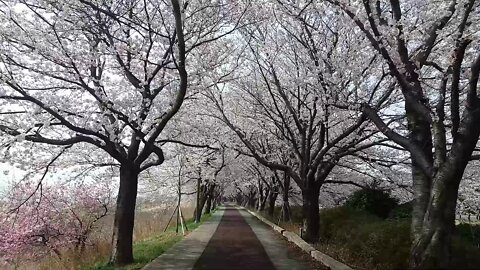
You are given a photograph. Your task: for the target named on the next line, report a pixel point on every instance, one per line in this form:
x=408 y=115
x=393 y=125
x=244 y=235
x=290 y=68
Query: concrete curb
x=297 y=240
x=266 y=221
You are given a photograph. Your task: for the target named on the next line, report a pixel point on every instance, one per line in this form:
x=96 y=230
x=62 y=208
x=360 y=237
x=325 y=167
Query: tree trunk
x=215 y=202
x=208 y=207
x=272 y=198
x=197 y=213
x=263 y=201
x=122 y=238
x=311 y=215
x=286 y=214
x=432 y=249
x=251 y=202
x=251 y=199
x=420 y=135
x=260 y=197
x=199 y=208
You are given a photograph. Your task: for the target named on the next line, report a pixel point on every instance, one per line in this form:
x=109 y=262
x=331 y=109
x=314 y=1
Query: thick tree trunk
x=431 y=245
x=431 y=250
x=261 y=197
x=286 y=214
x=251 y=200
x=311 y=214
x=421 y=193
x=208 y=207
x=420 y=135
x=263 y=201
x=272 y=198
x=197 y=213
x=122 y=238
x=199 y=208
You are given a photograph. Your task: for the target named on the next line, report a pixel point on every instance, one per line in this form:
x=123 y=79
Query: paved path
x=230 y=239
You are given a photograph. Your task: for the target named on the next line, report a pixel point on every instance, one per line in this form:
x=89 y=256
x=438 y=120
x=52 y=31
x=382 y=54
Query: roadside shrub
x=364 y=240
x=469 y=232
x=334 y=221
x=402 y=211
x=377 y=202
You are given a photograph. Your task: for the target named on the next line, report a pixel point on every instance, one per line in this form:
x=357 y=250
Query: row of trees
x=411 y=73
x=297 y=91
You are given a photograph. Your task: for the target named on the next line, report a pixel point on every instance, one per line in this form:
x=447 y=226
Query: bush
x=364 y=240
x=377 y=202
x=402 y=211
x=469 y=232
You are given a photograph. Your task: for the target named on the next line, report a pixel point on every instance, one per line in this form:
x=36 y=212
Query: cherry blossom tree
x=431 y=50
x=111 y=75
x=291 y=92
x=58 y=218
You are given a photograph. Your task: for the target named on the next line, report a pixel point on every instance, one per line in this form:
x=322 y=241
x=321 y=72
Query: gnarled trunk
x=431 y=244
x=420 y=135
x=122 y=238
x=431 y=250
x=311 y=214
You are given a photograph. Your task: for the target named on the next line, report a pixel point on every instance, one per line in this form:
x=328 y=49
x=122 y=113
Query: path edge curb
x=299 y=242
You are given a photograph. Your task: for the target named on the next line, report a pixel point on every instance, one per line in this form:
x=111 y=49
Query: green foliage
x=469 y=232
x=377 y=202
x=371 y=241
x=465 y=255
x=402 y=211
x=366 y=241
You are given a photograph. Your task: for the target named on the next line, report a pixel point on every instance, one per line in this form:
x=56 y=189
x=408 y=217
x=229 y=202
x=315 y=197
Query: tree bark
x=272 y=198
x=431 y=250
x=263 y=201
x=214 y=204
x=208 y=207
x=197 y=213
x=251 y=200
x=420 y=135
x=286 y=214
x=122 y=238
x=311 y=214
x=199 y=208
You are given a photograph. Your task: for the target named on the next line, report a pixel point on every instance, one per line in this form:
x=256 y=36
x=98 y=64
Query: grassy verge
x=365 y=241
x=146 y=250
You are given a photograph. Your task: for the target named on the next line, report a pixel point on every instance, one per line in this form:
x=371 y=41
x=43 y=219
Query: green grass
x=365 y=241
x=146 y=250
